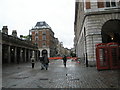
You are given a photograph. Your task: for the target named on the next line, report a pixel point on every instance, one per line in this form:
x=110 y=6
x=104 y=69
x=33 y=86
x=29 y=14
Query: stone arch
x=107 y=17
x=44 y=51
x=111 y=31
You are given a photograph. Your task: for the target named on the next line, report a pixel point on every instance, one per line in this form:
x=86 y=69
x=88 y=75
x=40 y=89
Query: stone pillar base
x=91 y=63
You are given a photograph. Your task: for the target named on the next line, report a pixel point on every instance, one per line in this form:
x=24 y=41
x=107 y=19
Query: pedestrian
x=64 y=60
x=42 y=63
x=33 y=61
x=45 y=62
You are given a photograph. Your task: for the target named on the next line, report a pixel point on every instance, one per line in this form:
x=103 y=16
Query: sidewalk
x=57 y=76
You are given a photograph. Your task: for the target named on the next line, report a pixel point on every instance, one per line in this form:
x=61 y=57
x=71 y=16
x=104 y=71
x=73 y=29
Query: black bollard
x=86 y=61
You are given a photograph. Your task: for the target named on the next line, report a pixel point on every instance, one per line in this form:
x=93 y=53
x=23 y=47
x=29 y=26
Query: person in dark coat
x=33 y=61
x=44 y=62
x=64 y=60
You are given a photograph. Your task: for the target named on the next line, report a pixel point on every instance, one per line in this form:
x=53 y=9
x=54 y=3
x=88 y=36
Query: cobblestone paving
x=57 y=76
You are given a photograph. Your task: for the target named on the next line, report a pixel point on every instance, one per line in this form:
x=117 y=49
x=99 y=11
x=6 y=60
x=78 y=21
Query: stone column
x=28 y=55
x=37 y=55
x=18 y=55
x=9 y=56
x=21 y=54
x=25 y=55
x=15 y=53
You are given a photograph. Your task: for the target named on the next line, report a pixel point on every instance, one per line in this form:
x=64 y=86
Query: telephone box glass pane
x=102 y=57
x=114 y=56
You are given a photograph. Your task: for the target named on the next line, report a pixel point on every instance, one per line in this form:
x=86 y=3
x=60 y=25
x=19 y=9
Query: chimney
x=14 y=33
x=5 y=30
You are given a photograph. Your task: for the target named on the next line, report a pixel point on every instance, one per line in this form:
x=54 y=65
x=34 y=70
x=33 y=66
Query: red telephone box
x=102 y=56
x=114 y=55
x=119 y=57
x=108 y=56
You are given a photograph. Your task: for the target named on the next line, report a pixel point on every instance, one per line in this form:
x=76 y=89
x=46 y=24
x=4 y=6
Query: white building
x=96 y=21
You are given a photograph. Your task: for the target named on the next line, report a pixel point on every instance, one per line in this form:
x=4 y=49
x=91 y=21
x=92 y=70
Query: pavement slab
x=75 y=75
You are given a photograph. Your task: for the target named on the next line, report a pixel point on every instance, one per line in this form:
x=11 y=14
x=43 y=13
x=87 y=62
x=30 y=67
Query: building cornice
x=105 y=11
x=41 y=29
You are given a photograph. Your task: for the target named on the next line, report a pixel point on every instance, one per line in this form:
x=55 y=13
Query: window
x=88 y=6
x=110 y=3
x=44 y=33
x=113 y=4
x=119 y=3
x=36 y=38
x=36 y=44
x=107 y=4
x=41 y=23
x=100 y=4
x=43 y=44
x=36 y=33
x=44 y=37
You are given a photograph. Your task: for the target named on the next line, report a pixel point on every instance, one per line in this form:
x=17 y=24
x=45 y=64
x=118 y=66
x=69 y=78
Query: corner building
x=96 y=21
x=43 y=37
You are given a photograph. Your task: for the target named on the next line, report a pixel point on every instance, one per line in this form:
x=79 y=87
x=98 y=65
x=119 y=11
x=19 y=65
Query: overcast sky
x=22 y=15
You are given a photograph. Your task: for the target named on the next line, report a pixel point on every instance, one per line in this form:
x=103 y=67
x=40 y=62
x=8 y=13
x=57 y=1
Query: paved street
x=57 y=76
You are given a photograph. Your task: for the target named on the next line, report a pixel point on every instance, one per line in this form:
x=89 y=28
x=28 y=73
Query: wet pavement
x=75 y=75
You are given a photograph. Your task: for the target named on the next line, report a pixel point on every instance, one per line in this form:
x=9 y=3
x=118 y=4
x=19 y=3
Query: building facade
x=43 y=37
x=0 y=59
x=96 y=21
x=14 y=49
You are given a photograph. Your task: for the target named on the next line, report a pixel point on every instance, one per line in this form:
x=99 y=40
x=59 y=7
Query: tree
x=28 y=37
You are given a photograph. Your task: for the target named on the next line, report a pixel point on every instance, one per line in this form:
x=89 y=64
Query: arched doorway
x=111 y=31
x=110 y=54
x=44 y=52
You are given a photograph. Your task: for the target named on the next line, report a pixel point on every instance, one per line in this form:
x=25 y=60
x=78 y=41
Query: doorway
x=111 y=31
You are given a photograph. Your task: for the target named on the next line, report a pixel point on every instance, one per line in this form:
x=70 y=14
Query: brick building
x=96 y=21
x=43 y=37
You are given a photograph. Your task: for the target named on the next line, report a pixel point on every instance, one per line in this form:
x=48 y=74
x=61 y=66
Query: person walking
x=33 y=59
x=44 y=62
x=64 y=60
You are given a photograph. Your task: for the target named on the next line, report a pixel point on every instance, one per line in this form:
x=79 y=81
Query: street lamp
x=21 y=51
x=12 y=49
